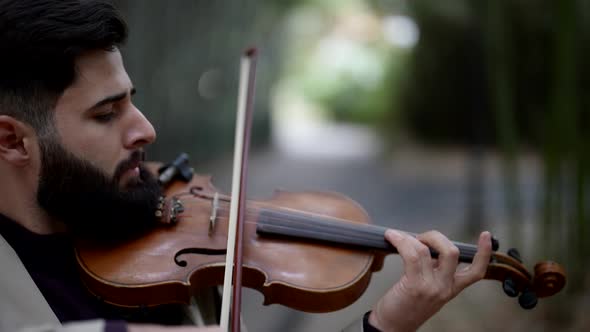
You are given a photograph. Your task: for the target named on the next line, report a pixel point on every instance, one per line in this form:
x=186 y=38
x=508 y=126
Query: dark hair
x=39 y=43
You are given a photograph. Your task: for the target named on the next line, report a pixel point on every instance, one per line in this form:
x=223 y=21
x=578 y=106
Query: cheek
x=102 y=153
x=93 y=143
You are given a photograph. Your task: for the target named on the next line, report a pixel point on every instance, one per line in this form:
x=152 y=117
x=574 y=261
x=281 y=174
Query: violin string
x=466 y=250
x=338 y=230
x=360 y=230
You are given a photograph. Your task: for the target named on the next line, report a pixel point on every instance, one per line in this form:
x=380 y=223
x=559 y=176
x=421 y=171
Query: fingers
x=416 y=256
x=477 y=270
x=418 y=262
x=448 y=253
x=427 y=284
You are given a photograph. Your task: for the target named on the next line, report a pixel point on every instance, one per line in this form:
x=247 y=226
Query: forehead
x=98 y=74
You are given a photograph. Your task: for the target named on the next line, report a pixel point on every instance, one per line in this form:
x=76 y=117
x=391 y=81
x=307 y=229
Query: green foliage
x=339 y=61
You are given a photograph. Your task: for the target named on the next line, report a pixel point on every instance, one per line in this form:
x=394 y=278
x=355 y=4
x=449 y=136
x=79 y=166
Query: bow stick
x=237 y=205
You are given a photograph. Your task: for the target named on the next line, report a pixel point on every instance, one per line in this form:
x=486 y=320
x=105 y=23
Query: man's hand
x=427 y=284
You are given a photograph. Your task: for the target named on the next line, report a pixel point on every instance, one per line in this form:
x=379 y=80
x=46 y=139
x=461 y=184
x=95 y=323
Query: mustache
x=134 y=160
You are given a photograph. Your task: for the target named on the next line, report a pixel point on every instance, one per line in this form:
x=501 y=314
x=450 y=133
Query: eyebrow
x=113 y=98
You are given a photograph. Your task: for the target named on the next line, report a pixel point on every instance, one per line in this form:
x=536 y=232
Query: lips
x=128 y=175
x=133 y=165
x=132 y=170
x=129 y=169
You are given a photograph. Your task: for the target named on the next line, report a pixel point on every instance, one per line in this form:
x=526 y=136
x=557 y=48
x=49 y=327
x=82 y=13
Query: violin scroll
x=547 y=280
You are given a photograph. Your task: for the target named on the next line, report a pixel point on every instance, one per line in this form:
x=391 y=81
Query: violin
x=311 y=251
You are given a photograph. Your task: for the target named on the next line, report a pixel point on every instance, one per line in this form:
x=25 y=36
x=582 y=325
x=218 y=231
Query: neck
x=37 y=221
x=338 y=231
x=18 y=202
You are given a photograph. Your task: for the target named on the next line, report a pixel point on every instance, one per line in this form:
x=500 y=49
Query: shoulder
x=21 y=303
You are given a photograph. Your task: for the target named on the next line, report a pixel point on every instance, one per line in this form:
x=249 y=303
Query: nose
x=140 y=132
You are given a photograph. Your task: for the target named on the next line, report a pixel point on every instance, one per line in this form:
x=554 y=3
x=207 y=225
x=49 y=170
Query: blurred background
x=456 y=115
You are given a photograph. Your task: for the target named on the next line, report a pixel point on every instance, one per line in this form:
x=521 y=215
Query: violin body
x=172 y=262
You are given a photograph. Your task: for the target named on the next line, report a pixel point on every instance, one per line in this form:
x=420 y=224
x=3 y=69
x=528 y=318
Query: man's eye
x=105 y=117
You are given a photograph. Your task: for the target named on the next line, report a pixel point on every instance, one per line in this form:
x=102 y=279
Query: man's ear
x=15 y=137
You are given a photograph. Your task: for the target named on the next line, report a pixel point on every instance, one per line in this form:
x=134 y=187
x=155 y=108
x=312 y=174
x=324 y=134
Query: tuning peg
x=513 y=252
x=178 y=207
x=527 y=299
x=509 y=287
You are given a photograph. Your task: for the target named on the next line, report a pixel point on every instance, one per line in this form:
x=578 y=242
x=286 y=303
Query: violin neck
x=337 y=231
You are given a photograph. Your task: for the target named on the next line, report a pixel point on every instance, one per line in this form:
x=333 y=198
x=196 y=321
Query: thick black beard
x=91 y=204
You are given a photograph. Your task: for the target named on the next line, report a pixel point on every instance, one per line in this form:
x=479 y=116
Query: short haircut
x=39 y=43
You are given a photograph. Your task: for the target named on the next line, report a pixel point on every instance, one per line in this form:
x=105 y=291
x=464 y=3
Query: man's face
x=91 y=175
x=95 y=117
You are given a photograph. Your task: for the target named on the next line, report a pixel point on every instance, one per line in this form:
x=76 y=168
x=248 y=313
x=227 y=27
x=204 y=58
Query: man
x=71 y=153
